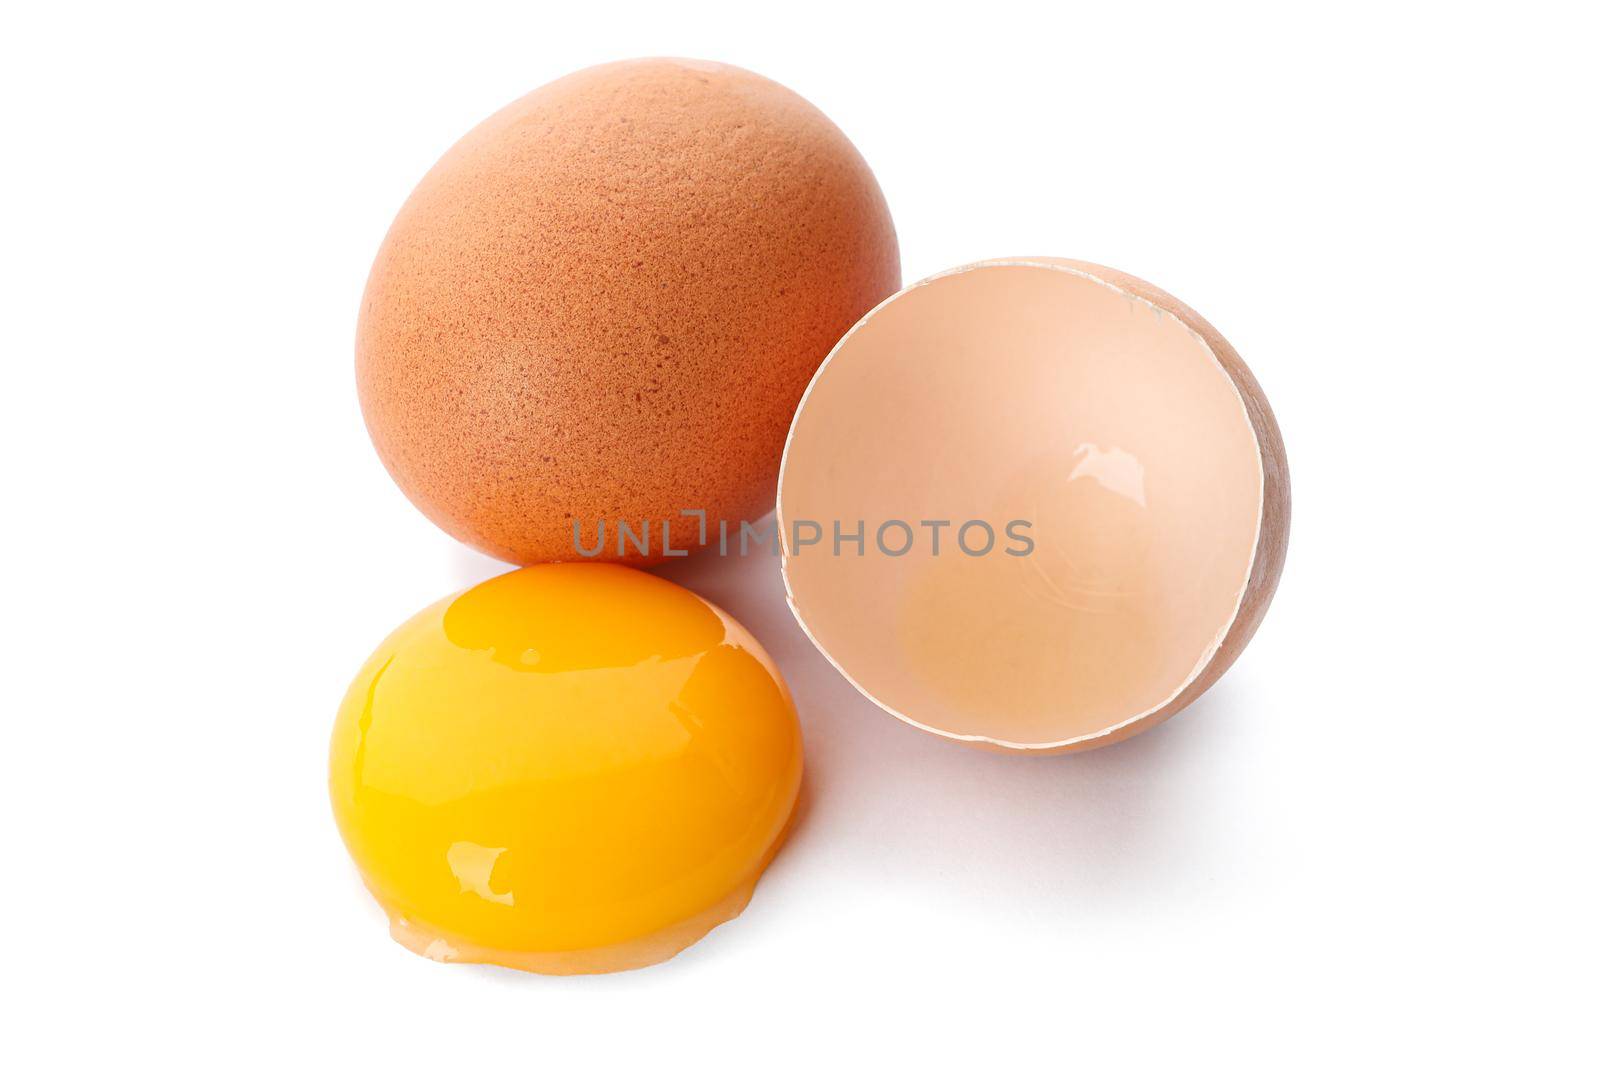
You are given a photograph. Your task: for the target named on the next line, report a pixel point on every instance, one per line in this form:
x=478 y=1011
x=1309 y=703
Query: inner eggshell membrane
x=1058 y=410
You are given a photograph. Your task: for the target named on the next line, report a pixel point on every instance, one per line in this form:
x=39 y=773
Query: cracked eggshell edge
x=1272 y=521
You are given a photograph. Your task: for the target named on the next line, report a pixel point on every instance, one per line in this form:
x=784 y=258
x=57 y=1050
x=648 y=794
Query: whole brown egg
x=604 y=303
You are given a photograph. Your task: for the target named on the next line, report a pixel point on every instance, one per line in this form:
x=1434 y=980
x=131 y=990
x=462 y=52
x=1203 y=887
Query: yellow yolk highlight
x=569 y=768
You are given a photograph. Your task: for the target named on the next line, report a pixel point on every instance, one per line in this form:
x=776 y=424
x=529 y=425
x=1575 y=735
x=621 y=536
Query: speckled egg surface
x=605 y=302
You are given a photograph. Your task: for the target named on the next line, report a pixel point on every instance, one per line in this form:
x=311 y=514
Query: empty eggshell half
x=1033 y=505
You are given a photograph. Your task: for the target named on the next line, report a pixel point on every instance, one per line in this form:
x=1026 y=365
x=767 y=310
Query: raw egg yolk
x=569 y=768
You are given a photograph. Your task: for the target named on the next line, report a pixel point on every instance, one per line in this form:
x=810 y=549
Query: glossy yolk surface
x=571 y=767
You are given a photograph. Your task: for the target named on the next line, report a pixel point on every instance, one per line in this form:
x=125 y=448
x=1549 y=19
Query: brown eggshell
x=1272 y=538
x=1115 y=424
x=604 y=303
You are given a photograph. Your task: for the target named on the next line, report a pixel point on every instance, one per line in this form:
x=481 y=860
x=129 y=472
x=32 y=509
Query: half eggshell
x=1033 y=505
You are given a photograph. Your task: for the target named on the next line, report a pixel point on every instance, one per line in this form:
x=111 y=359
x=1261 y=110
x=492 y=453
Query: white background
x=1373 y=841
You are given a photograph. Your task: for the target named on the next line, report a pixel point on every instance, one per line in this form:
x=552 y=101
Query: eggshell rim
x=1185 y=692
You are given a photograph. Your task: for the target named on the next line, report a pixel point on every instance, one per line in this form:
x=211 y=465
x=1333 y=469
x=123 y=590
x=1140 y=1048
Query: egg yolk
x=569 y=768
